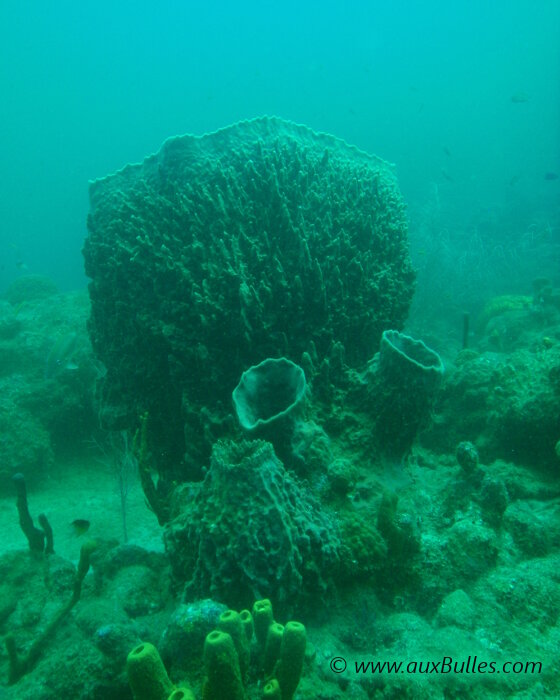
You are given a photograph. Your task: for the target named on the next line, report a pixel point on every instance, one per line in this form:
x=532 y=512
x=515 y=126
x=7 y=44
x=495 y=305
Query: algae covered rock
x=508 y=401
x=219 y=251
x=183 y=639
x=25 y=445
x=30 y=288
x=251 y=530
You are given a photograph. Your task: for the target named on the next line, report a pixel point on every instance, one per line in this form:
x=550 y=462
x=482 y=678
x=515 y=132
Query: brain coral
x=221 y=250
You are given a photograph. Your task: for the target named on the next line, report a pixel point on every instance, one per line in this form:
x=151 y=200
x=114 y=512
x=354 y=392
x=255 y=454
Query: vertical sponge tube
x=181 y=694
x=230 y=622
x=289 y=667
x=147 y=676
x=272 y=648
x=262 y=618
x=223 y=675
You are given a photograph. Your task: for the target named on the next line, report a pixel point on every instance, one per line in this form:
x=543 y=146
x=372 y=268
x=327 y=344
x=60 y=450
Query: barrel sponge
x=268 y=392
x=410 y=360
x=147 y=676
x=223 y=675
x=263 y=236
x=252 y=527
x=292 y=653
x=406 y=377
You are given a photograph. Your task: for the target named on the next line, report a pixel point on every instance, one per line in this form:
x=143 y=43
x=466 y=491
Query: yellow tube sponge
x=262 y=618
x=182 y=694
x=271 y=690
x=223 y=675
x=272 y=648
x=147 y=676
x=230 y=622
x=289 y=667
x=248 y=626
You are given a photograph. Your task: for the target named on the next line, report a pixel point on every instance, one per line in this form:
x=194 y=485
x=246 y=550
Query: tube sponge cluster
x=244 y=648
x=281 y=649
x=279 y=652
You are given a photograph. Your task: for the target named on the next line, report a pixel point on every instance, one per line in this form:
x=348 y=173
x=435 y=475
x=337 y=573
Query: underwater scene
x=280 y=350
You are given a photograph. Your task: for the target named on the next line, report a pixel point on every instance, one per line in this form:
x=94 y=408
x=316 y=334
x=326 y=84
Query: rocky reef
x=296 y=444
x=48 y=378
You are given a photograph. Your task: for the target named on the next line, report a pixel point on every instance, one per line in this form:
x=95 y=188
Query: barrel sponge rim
x=414 y=351
x=256 y=391
x=262 y=123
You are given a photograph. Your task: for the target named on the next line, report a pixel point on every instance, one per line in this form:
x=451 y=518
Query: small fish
x=520 y=97
x=20 y=262
x=18 y=308
x=80 y=526
x=514 y=180
x=61 y=355
x=551 y=176
x=446 y=175
x=447 y=151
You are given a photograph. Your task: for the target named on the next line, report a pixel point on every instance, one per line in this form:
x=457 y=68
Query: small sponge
x=271 y=690
x=147 y=676
x=248 y=625
x=272 y=648
x=230 y=622
x=262 y=618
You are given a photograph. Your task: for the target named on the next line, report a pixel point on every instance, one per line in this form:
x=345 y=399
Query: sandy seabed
x=82 y=489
